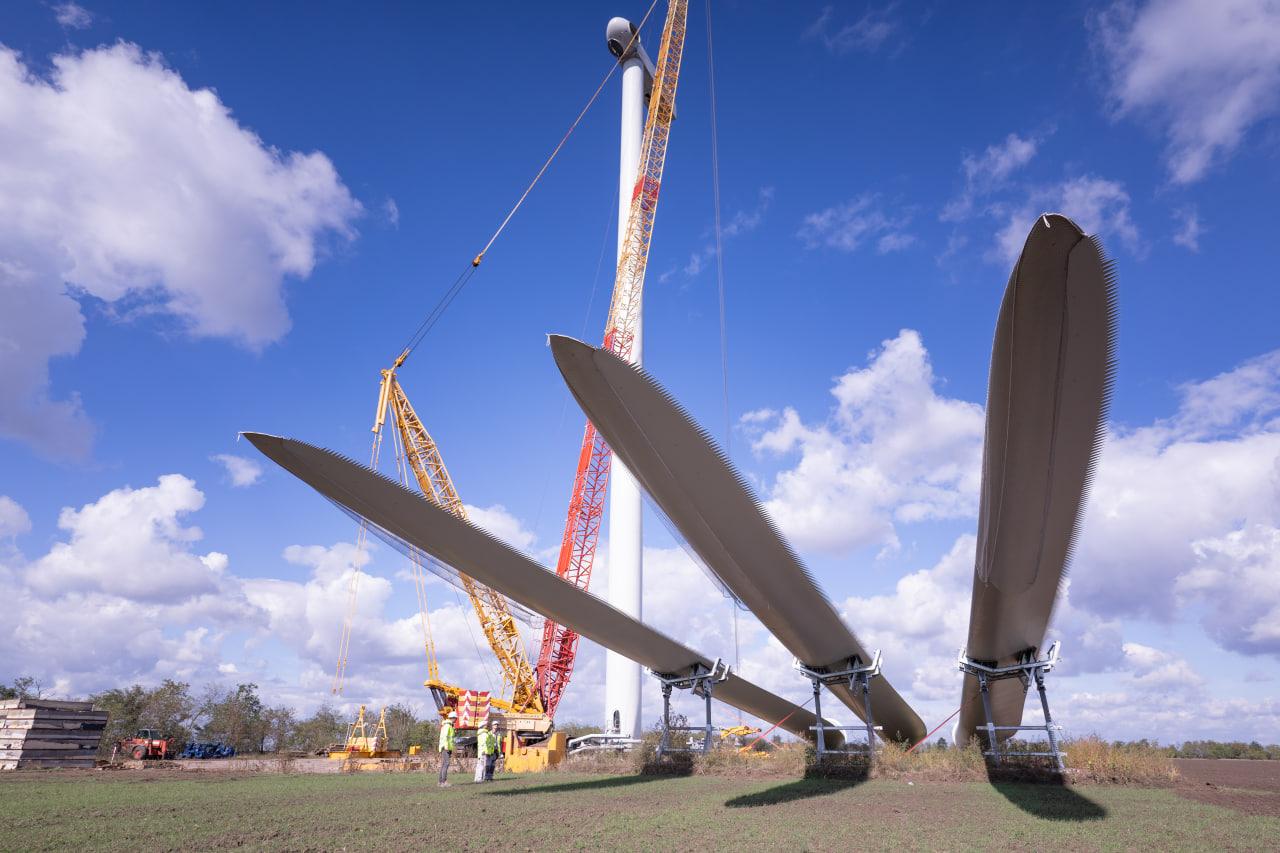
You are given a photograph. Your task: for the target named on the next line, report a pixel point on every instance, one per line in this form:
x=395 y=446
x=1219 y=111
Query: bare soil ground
x=1250 y=787
x=185 y=810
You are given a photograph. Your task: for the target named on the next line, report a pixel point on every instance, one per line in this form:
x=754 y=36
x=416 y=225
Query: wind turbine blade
x=697 y=488
x=407 y=516
x=1052 y=367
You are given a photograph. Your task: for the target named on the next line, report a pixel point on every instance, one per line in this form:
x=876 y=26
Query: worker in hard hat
x=446 y=746
x=481 y=741
x=490 y=750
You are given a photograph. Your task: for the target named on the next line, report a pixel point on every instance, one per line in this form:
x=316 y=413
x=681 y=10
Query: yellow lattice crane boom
x=423 y=458
x=533 y=696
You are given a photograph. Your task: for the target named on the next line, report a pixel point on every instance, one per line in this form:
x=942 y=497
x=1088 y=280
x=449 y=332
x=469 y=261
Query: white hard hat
x=452 y=714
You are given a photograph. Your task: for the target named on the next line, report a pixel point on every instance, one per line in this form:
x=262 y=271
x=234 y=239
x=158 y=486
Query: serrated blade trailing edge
x=1052 y=370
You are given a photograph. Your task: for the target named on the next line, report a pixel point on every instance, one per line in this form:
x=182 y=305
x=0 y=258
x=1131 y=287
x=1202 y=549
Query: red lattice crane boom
x=586 y=506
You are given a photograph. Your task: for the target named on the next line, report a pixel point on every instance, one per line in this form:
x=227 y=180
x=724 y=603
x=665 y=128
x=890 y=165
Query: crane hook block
x=475 y=262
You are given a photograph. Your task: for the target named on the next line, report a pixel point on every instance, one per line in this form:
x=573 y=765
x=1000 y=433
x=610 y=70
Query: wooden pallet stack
x=48 y=733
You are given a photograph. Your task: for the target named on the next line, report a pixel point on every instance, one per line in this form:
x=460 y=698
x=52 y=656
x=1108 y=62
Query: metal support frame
x=602 y=741
x=702 y=680
x=857 y=674
x=1028 y=669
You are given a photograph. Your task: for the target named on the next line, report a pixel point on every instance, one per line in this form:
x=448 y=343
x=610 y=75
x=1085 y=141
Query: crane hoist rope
x=586 y=504
x=428 y=467
x=419 y=456
x=419 y=574
x=353 y=588
x=426 y=464
x=469 y=270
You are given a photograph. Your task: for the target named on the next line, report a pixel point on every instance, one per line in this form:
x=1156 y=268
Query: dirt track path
x=1251 y=787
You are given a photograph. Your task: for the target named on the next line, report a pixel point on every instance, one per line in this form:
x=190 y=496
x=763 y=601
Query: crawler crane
x=586 y=506
x=418 y=456
x=535 y=691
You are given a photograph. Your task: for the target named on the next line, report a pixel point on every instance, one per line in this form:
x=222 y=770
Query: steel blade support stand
x=857 y=674
x=1027 y=670
x=701 y=681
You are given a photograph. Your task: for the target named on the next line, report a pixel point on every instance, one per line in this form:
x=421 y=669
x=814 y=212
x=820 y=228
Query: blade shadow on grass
x=1050 y=801
x=814 y=784
x=585 y=785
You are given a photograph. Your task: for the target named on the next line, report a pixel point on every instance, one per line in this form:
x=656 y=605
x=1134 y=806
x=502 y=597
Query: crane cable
x=724 y=339
x=586 y=318
x=443 y=304
x=402 y=468
x=353 y=586
x=465 y=276
x=715 y=189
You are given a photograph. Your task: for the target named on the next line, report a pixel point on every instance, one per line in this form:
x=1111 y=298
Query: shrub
x=1095 y=760
x=1089 y=759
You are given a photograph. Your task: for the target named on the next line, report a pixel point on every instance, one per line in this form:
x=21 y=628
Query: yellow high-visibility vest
x=446 y=736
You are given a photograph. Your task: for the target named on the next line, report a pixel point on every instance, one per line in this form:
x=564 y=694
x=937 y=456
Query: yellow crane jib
x=423 y=458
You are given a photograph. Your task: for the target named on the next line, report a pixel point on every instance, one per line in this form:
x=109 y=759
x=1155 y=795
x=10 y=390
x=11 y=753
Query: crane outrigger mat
x=400 y=516
x=711 y=505
x=1052 y=366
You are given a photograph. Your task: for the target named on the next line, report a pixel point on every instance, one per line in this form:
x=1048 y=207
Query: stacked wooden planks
x=48 y=733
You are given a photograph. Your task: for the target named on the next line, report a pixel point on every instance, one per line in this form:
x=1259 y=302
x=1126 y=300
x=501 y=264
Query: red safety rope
x=931 y=734
x=765 y=733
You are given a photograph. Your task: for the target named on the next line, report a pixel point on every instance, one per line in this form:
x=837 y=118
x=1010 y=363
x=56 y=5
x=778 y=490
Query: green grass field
x=165 y=810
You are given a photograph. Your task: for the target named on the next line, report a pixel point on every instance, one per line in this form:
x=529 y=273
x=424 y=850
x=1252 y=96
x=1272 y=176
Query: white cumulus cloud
x=1238 y=575
x=72 y=15
x=922 y=623
x=131 y=542
x=989 y=171
x=1205 y=72
x=124 y=597
x=1159 y=671
x=242 y=471
x=499 y=521
x=892 y=451
x=14 y=520
x=742 y=222
x=866 y=34
x=1189 y=228
x=1182 y=508
x=1098 y=205
x=847 y=226
x=124 y=184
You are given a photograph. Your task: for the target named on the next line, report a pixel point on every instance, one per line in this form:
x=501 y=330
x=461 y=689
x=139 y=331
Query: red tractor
x=146 y=745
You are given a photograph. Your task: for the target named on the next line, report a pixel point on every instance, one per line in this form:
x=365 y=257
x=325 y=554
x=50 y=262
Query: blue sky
x=232 y=217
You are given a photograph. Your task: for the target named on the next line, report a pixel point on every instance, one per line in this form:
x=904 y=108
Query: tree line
x=1231 y=749
x=236 y=716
